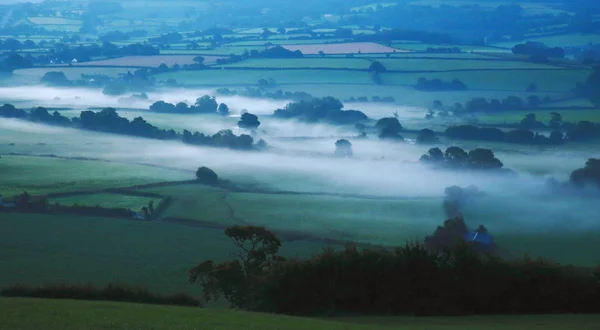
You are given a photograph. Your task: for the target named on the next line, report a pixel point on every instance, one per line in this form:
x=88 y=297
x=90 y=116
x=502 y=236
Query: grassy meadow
x=69 y=314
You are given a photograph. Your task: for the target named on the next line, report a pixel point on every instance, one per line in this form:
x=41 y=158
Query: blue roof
x=482 y=238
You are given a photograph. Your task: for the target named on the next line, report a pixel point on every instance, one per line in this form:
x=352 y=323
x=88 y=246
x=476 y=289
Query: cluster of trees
x=452 y=50
x=389 y=128
x=118 y=35
x=588 y=175
x=520 y=135
x=27 y=203
x=108 y=120
x=538 y=51
x=327 y=108
x=425 y=84
x=445 y=276
x=13 y=62
x=458 y=158
x=262 y=93
x=248 y=120
x=374 y=99
x=480 y=104
x=112 y=292
x=270 y=52
x=205 y=104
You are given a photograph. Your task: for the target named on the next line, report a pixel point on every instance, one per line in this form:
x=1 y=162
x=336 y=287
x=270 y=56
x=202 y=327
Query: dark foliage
x=207 y=176
x=343 y=148
x=425 y=84
x=326 y=108
x=449 y=277
x=112 y=292
x=457 y=158
x=539 y=50
x=108 y=120
x=521 y=135
x=248 y=120
x=590 y=174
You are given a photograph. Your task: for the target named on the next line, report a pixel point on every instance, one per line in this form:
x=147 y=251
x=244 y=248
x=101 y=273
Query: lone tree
x=376 y=66
x=238 y=280
x=223 y=109
x=207 y=176
x=389 y=128
x=343 y=148
x=248 y=120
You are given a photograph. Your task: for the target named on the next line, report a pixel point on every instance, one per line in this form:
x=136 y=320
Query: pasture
x=134 y=203
x=69 y=314
x=43 y=175
x=82 y=249
x=148 y=61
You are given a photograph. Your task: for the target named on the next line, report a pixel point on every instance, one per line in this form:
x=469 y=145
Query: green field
x=53 y=21
x=22 y=314
x=563 y=40
x=555 y=80
x=134 y=203
x=82 y=249
x=248 y=77
x=38 y=175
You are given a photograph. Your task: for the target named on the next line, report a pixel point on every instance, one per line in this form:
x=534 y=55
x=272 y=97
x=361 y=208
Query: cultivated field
x=344 y=48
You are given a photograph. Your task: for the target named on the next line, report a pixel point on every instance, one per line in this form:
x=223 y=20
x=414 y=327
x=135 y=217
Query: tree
x=248 y=120
x=343 y=148
x=426 y=136
x=238 y=280
x=55 y=78
x=281 y=30
x=484 y=159
x=556 y=120
x=223 y=109
x=206 y=104
x=433 y=156
x=199 y=60
x=376 y=66
x=207 y=176
x=590 y=174
x=321 y=53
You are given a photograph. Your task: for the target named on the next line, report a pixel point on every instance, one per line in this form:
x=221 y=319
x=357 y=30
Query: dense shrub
x=112 y=292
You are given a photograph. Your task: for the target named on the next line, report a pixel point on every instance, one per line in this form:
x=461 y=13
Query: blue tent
x=482 y=238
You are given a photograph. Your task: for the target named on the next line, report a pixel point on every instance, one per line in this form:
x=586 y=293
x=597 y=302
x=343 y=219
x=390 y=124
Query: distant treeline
x=326 y=109
x=425 y=84
x=107 y=120
x=112 y=292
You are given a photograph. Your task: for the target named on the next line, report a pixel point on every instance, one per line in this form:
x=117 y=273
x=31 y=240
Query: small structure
x=481 y=238
x=74 y=61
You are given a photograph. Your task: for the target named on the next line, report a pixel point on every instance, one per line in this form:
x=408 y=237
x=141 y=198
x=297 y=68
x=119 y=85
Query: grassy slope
x=107 y=200
x=38 y=175
x=101 y=250
x=19 y=313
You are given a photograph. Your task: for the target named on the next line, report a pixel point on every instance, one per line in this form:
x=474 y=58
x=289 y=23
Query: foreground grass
x=68 y=314
x=22 y=313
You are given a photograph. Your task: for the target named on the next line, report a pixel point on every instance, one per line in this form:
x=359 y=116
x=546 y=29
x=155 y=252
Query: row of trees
x=425 y=84
x=458 y=158
x=108 y=120
x=444 y=276
x=205 y=104
x=520 y=135
x=480 y=104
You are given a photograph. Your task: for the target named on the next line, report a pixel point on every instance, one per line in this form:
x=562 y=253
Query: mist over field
x=379 y=169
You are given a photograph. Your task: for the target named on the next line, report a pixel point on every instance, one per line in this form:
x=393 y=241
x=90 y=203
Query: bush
x=112 y=292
